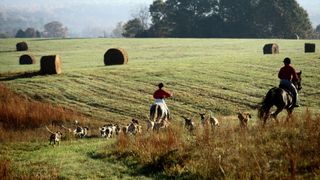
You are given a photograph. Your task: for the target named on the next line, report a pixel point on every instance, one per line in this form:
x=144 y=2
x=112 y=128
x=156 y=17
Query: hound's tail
x=66 y=128
x=49 y=130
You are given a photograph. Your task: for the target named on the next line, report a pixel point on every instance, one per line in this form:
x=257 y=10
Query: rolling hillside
x=222 y=75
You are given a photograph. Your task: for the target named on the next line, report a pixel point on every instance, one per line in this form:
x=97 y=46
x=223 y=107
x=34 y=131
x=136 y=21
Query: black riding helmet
x=287 y=60
x=160 y=85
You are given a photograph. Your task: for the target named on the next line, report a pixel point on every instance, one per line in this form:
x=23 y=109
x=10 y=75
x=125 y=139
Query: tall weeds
x=5 y=169
x=22 y=119
x=284 y=150
x=18 y=112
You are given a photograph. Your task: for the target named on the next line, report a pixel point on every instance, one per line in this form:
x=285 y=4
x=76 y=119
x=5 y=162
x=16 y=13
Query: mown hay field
x=221 y=75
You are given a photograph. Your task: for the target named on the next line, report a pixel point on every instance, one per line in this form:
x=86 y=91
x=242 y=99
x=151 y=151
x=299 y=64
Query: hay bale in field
x=22 y=46
x=27 y=59
x=115 y=56
x=50 y=64
x=309 y=47
x=271 y=49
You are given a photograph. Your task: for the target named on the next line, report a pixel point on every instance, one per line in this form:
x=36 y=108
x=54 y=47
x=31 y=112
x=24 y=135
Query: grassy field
x=221 y=75
x=217 y=74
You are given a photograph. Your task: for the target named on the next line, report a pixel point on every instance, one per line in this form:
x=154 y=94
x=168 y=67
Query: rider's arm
x=294 y=75
x=167 y=94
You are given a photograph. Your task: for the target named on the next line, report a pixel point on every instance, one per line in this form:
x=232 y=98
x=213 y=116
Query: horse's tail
x=266 y=104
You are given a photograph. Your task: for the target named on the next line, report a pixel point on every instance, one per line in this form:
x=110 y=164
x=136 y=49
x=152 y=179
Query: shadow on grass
x=155 y=169
x=8 y=51
x=96 y=156
x=14 y=76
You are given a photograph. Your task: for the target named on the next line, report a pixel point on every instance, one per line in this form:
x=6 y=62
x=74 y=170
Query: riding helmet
x=287 y=60
x=160 y=85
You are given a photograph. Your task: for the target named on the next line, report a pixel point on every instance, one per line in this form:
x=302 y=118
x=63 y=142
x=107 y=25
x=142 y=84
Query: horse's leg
x=275 y=114
x=152 y=112
x=158 y=114
x=290 y=110
x=266 y=115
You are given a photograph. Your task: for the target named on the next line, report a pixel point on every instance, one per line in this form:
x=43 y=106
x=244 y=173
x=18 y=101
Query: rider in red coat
x=287 y=75
x=159 y=96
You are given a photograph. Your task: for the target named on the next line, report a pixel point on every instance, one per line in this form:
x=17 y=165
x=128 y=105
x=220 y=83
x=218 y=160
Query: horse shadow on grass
x=14 y=76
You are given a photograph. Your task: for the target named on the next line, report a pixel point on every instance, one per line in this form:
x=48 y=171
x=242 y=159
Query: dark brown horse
x=280 y=98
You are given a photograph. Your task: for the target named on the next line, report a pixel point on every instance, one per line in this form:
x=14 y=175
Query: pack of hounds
x=106 y=131
x=112 y=130
x=208 y=119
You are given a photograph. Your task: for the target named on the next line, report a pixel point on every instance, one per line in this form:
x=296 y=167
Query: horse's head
x=297 y=83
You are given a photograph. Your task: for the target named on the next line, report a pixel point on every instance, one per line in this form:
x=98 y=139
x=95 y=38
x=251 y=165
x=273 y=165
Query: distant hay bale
x=271 y=49
x=115 y=56
x=27 y=59
x=22 y=46
x=309 y=48
x=50 y=64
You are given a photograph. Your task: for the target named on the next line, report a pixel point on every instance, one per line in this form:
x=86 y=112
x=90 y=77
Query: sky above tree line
x=94 y=17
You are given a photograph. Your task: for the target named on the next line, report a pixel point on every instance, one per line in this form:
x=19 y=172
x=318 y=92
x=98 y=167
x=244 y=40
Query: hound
x=54 y=138
x=156 y=126
x=244 y=117
x=81 y=131
x=213 y=121
x=106 y=131
x=109 y=130
x=189 y=124
x=203 y=119
x=132 y=128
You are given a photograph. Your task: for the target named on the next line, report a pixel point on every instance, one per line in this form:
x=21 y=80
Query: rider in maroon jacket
x=159 y=96
x=287 y=75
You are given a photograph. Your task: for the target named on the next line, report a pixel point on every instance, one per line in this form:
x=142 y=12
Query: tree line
x=51 y=29
x=223 y=19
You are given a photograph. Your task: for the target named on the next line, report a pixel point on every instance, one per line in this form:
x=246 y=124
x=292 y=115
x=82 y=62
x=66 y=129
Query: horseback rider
x=159 y=96
x=287 y=75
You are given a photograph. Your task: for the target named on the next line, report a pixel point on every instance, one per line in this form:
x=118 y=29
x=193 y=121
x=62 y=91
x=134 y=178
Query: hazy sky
x=87 y=16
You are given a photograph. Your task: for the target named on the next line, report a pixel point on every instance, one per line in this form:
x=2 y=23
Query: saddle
x=286 y=89
x=289 y=92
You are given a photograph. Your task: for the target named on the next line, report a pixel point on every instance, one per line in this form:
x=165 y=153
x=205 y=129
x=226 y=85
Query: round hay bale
x=27 y=59
x=115 y=56
x=271 y=49
x=22 y=46
x=309 y=48
x=50 y=64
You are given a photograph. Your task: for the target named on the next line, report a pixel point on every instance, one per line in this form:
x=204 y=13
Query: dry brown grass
x=18 y=112
x=281 y=151
x=5 y=169
x=23 y=119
